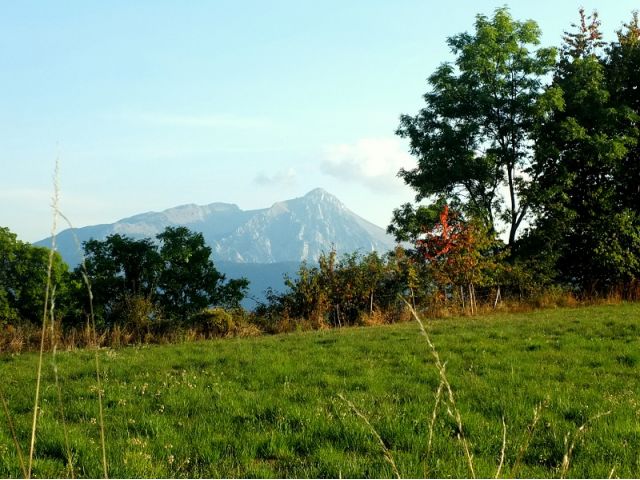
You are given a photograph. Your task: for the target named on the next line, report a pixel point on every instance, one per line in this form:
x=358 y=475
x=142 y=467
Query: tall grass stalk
x=49 y=315
x=566 y=459
x=96 y=346
x=453 y=409
x=504 y=447
x=45 y=312
x=7 y=414
x=54 y=348
x=434 y=415
x=387 y=454
x=528 y=435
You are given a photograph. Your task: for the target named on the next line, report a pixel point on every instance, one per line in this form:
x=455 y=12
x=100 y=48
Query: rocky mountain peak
x=289 y=231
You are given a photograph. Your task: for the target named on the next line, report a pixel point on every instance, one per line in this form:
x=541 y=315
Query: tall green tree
x=120 y=268
x=474 y=135
x=409 y=222
x=8 y=287
x=585 y=216
x=23 y=279
x=174 y=277
x=622 y=67
x=189 y=281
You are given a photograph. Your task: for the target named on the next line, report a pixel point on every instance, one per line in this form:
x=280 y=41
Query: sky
x=152 y=104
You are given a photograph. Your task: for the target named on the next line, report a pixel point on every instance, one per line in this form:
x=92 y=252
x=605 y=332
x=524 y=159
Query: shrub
x=215 y=321
x=138 y=314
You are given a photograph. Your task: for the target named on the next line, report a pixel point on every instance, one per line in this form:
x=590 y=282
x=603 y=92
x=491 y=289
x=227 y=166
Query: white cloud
x=278 y=179
x=373 y=162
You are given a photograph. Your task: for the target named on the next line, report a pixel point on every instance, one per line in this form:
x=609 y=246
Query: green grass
x=269 y=406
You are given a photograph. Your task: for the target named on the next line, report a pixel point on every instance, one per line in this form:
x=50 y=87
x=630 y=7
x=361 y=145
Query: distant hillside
x=261 y=276
x=283 y=235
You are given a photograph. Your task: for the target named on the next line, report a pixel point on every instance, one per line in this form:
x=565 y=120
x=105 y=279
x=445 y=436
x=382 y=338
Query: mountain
x=282 y=236
x=289 y=231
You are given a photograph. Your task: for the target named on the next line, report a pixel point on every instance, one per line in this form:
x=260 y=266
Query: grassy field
x=271 y=406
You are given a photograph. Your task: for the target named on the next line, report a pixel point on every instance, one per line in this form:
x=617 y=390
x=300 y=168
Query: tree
x=586 y=209
x=408 y=221
x=8 y=287
x=341 y=291
x=175 y=277
x=474 y=134
x=407 y=275
x=622 y=67
x=459 y=254
x=120 y=269
x=23 y=280
x=189 y=282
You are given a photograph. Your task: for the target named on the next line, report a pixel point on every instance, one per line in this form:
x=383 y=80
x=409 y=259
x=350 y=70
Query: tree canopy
x=176 y=274
x=500 y=139
x=474 y=135
x=586 y=161
x=23 y=279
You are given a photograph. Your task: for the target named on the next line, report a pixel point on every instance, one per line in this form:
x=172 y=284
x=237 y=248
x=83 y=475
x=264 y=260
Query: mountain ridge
x=293 y=230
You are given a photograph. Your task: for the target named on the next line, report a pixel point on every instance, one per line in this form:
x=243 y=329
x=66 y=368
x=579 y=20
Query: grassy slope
x=269 y=407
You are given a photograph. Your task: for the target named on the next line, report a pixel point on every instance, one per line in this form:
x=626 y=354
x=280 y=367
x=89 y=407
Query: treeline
x=168 y=288
x=146 y=287
x=456 y=266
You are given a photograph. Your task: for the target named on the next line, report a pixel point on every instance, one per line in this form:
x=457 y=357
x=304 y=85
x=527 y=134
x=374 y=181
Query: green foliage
x=121 y=270
x=269 y=406
x=622 y=65
x=568 y=153
x=216 y=321
x=585 y=196
x=188 y=281
x=8 y=287
x=409 y=222
x=138 y=281
x=474 y=134
x=336 y=292
x=23 y=279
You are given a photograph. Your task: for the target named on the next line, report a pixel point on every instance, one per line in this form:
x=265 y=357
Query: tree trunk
x=512 y=197
x=472 y=299
x=371 y=304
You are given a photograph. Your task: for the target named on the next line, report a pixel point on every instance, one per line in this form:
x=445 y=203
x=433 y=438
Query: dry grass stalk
x=434 y=414
x=566 y=459
x=387 y=454
x=96 y=346
x=47 y=295
x=504 y=447
x=54 y=348
x=453 y=409
x=528 y=435
x=13 y=433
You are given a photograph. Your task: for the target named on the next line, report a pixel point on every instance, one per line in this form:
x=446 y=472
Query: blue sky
x=153 y=104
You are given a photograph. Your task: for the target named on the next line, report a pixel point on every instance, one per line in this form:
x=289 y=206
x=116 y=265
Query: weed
x=444 y=381
x=387 y=454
